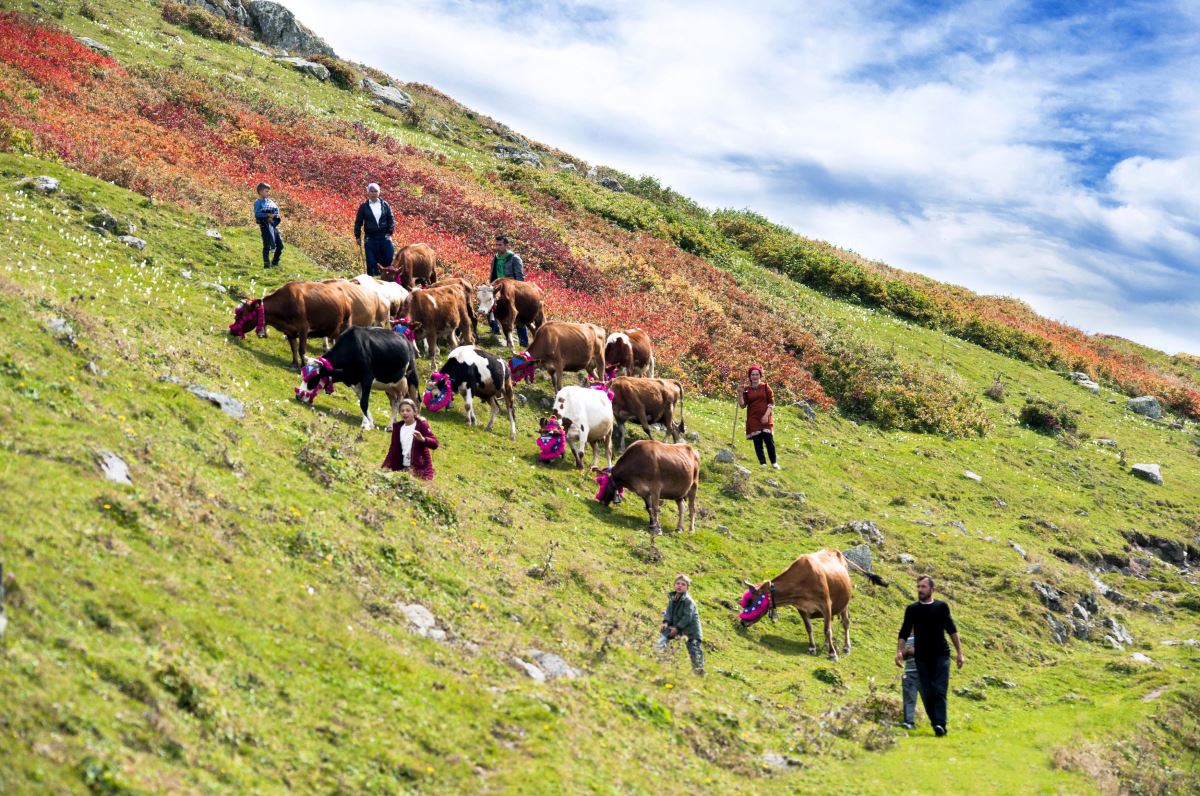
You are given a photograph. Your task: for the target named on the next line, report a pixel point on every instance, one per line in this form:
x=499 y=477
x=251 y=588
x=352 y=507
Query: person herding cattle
x=681 y=618
x=412 y=441
x=507 y=264
x=266 y=214
x=376 y=221
x=759 y=401
x=928 y=620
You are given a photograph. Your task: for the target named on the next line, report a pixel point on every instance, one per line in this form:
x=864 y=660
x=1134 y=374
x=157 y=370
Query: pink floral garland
x=552 y=442
x=603 y=480
x=435 y=402
x=610 y=373
x=260 y=319
x=603 y=387
x=753 y=609
x=522 y=367
x=401 y=326
x=307 y=372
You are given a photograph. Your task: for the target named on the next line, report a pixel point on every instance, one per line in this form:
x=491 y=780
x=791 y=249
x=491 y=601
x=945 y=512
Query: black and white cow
x=473 y=372
x=366 y=358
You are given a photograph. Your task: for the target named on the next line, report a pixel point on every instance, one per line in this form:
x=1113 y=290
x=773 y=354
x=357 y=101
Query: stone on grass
x=423 y=622
x=1020 y=550
x=1148 y=472
x=724 y=456
x=388 y=95
x=1049 y=595
x=42 y=184
x=215 y=234
x=693 y=436
x=230 y=406
x=1146 y=406
x=1139 y=658
x=61 y=330
x=518 y=155
x=1108 y=443
x=867 y=530
x=778 y=761
x=114 y=468
x=905 y=558
x=611 y=184
x=92 y=44
x=1118 y=631
x=973 y=476
x=553 y=666
x=860 y=554
x=132 y=242
x=806 y=409
x=533 y=672
x=277 y=26
x=303 y=65
x=1058 y=630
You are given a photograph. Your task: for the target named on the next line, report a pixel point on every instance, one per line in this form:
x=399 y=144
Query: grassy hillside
x=233 y=621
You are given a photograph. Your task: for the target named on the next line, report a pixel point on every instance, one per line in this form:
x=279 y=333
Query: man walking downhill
x=375 y=219
x=266 y=214
x=682 y=619
x=928 y=620
x=507 y=263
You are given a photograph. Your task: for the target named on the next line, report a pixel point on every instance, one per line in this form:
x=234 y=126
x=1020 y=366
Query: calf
x=628 y=353
x=474 y=372
x=817 y=585
x=586 y=416
x=646 y=401
x=433 y=311
x=391 y=292
x=414 y=264
x=560 y=346
x=655 y=470
x=513 y=303
x=366 y=359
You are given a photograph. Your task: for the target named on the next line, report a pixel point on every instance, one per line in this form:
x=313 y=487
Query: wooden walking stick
x=733 y=431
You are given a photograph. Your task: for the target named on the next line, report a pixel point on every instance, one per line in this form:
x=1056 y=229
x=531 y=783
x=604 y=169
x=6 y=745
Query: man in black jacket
x=375 y=219
x=928 y=620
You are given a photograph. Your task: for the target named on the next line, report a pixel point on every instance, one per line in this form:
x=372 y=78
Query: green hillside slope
x=234 y=620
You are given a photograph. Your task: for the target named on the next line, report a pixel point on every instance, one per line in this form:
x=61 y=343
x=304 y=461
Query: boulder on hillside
x=518 y=155
x=388 y=95
x=92 y=44
x=232 y=10
x=311 y=68
x=806 y=409
x=1148 y=472
x=611 y=184
x=861 y=555
x=278 y=27
x=724 y=456
x=553 y=666
x=1049 y=595
x=868 y=530
x=114 y=468
x=1146 y=406
x=41 y=184
x=1058 y=631
x=1085 y=381
x=132 y=242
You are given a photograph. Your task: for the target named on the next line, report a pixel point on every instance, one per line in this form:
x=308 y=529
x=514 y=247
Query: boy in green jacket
x=682 y=619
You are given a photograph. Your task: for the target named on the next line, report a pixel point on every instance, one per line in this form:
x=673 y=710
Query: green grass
x=230 y=622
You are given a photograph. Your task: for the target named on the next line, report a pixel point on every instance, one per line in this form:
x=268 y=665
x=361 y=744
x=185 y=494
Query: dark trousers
x=522 y=331
x=766 y=439
x=271 y=241
x=933 y=679
x=379 y=252
x=695 y=648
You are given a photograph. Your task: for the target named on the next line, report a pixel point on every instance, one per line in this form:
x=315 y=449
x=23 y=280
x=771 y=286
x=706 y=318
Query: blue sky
x=1049 y=151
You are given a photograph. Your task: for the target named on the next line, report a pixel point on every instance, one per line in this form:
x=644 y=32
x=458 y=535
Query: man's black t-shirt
x=928 y=623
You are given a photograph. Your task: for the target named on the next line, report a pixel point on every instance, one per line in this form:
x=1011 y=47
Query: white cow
x=392 y=292
x=587 y=416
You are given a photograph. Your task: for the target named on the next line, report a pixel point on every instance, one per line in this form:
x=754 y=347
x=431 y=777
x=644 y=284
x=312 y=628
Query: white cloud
x=1054 y=161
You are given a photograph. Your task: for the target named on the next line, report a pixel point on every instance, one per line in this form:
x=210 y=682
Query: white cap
x=373 y=186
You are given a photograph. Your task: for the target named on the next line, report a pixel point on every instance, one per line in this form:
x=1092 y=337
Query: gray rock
x=693 y=436
x=41 y=184
x=521 y=399
x=861 y=555
x=533 y=672
x=1020 y=550
x=215 y=234
x=132 y=242
x=741 y=472
x=518 y=155
x=92 y=44
x=972 y=476
x=1141 y=659
x=724 y=456
x=231 y=10
x=1148 y=472
x=778 y=761
x=962 y=526
x=1081 y=628
x=552 y=665
x=1085 y=381
x=106 y=221
x=611 y=184
x=1079 y=612
x=388 y=95
x=114 y=468
x=867 y=530
x=311 y=68
x=1058 y=630
x=1117 y=630
x=423 y=622
x=230 y=406
x=1090 y=603
x=261 y=50
x=905 y=558
x=1146 y=406
x=276 y=26
x=798 y=497
x=61 y=330
x=1049 y=595
x=1173 y=551
x=1108 y=443
x=806 y=409
x=724 y=530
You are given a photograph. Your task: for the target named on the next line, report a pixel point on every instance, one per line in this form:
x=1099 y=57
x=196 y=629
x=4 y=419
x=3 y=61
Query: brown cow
x=414 y=264
x=818 y=585
x=468 y=291
x=513 y=303
x=309 y=309
x=559 y=346
x=433 y=311
x=628 y=353
x=655 y=470
x=646 y=401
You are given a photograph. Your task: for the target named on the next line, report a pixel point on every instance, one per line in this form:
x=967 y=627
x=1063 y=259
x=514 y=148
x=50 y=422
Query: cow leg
x=470 y=408
x=619 y=435
x=296 y=351
x=650 y=513
x=846 y=630
x=812 y=645
x=303 y=344
x=608 y=447
x=556 y=380
x=827 y=615
x=512 y=412
x=364 y=401
x=655 y=506
x=495 y=405
x=432 y=340
x=645 y=421
x=394 y=395
x=691 y=499
x=679 y=525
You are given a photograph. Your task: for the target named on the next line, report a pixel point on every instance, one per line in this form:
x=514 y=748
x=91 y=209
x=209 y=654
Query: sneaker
x=939 y=731
x=776 y=465
x=908 y=725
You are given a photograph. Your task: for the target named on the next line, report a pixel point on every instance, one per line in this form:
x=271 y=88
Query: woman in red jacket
x=759 y=401
x=412 y=440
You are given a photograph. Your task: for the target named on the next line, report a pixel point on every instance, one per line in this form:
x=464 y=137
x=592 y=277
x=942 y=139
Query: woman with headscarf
x=759 y=401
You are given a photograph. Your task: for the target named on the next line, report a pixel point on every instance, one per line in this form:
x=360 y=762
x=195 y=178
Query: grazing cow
x=818 y=585
x=474 y=373
x=367 y=359
x=561 y=346
x=646 y=401
x=628 y=353
x=655 y=470
x=433 y=311
x=308 y=309
x=586 y=416
x=414 y=264
x=513 y=303
x=391 y=292
x=468 y=291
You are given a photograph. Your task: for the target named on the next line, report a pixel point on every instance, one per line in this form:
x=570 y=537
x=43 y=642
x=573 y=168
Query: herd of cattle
x=375 y=327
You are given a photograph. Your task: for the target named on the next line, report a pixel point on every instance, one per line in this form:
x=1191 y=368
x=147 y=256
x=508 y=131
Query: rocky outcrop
x=518 y=155
x=275 y=25
x=311 y=68
x=611 y=184
x=232 y=10
x=92 y=44
x=1146 y=406
x=1148 y=472
x=388 y=95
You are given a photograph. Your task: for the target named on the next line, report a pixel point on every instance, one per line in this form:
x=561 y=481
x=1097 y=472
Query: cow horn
x=749 y=585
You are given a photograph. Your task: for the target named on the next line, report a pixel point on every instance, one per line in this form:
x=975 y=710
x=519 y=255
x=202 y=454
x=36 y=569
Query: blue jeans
x=379 y=251
x=694 y=648
x=271 y=241
x=522 y=331
x=934 y=679
x=909 y=687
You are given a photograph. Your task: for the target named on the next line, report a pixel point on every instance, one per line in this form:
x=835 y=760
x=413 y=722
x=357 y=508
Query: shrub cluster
x=1047 y=418
x=199 y=21
x=340 y=72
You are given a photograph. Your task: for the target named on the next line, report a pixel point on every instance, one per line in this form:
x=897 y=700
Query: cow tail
x=871 y=576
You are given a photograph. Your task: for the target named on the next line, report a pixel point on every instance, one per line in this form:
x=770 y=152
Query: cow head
x=248 y=315
x=316 y=375
x=487 y=298
x=439 y=393
x=609 y=492
x=551 y=441
x=756 y=602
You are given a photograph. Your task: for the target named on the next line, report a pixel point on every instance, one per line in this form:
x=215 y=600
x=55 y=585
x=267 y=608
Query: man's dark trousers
x=379 y=251
x=933 y=678
x=271 y=241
